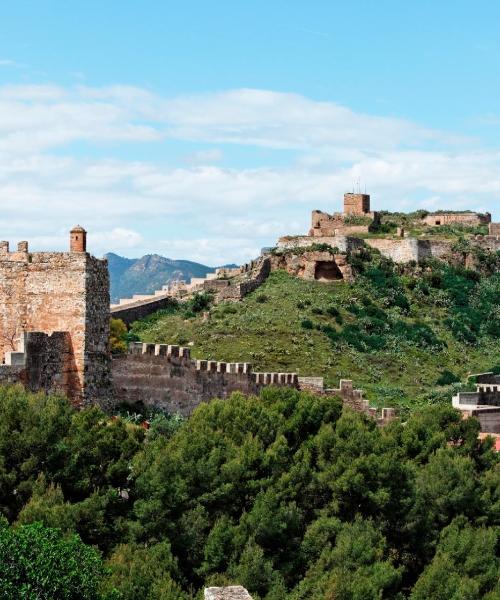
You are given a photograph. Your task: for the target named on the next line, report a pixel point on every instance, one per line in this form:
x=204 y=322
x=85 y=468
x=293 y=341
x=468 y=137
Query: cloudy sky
x=205 y=131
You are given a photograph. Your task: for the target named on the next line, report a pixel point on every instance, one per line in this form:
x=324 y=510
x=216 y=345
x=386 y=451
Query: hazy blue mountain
x=145 y=275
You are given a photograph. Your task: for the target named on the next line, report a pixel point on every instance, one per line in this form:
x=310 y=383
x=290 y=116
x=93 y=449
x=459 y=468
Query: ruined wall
x=238 y=290
x=342 y=242
x=314 y=265
x=166 y=377
x=466 y=218
x=96 y=356
x=58 y=291
x=325 y=225
x=232 y=592
x=404 y=250
x=400 y=251
x=494 y=229
x=487 y=242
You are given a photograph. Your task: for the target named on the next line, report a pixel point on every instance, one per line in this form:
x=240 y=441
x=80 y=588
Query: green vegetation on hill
x=415 y=227
x=286 y=494
x=395 y=331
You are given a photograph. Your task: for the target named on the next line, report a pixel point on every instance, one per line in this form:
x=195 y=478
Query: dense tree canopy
x=286 y=494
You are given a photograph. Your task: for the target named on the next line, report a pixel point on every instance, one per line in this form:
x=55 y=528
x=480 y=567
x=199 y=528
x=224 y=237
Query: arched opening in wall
x=327 y=271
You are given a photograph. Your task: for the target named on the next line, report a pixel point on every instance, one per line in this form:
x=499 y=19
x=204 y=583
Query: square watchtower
x=356 y=204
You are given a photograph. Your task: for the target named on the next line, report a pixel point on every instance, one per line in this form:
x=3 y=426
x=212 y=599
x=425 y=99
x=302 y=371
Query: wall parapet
x=165 y=376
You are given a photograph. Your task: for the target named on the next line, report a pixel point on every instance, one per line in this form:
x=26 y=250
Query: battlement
x=165 y=376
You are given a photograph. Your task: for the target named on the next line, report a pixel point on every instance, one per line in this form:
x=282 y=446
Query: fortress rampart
x=457 y=218
x=164 y=376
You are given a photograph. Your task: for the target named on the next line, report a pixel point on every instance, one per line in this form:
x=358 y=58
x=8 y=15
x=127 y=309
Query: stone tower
x=78 y=239
x=64 y=293
x=356 y=204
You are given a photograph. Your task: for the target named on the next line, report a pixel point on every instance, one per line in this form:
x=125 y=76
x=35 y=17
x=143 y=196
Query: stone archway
x=327 y=271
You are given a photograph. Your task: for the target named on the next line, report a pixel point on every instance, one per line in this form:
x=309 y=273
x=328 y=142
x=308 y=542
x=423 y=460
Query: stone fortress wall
x=225 y=284
x=457 y=218
x=65 y=292
x=41 y=362
x=164 y=376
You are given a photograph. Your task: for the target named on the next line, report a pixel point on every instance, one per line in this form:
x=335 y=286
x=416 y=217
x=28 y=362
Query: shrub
x=307 y=324
x=332 y=311
x=447 y=378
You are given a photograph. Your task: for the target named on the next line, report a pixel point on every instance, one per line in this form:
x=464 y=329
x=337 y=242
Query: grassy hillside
x=403 y=335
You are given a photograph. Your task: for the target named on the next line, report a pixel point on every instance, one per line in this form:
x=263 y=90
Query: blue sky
x=204 y=130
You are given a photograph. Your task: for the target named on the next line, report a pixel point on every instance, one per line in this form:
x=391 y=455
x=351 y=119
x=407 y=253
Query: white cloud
x=45 y=116
x=206 y=211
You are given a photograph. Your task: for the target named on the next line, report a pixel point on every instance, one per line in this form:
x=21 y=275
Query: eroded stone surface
x=232 y=592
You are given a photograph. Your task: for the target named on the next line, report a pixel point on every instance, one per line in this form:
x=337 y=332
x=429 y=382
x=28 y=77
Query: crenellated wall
x=164 y=376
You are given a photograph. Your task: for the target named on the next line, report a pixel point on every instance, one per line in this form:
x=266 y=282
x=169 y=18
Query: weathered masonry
x=165 y=376
x=457 y=218
x=54 y=320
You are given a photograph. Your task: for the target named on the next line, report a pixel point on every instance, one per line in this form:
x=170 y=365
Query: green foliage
x=285 y=493
x=393 y=327
x=198 y=302
x=117 y=336
x=39 y=563
x=57 y=464
x=261 y=298
x=465 y=567
x=447 y=377
x=299 y=250
x=144 y=573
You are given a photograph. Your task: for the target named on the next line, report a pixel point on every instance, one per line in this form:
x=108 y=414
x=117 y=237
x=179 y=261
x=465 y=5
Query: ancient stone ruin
x=356 y=218
x=345 y=232
x=457 y=218
x=54 y=319
x=54 y=330
x=232 y=592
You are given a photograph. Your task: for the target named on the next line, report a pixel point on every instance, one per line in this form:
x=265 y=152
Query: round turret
x=78 y=239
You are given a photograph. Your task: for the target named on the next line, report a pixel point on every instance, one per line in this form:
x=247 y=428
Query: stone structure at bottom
x=484 y=403
x=54 y=312
x=232 y=592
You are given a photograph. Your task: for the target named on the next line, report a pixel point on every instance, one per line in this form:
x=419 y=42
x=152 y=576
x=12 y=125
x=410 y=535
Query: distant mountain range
x=144 y=275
